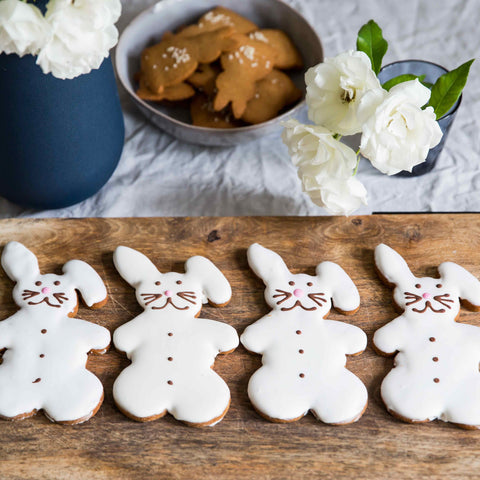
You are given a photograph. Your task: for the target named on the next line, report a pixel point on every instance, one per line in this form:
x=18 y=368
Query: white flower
x=325 y=167
x=399 y=134
x=23 y=30
x=336 y=88
x=83 y=32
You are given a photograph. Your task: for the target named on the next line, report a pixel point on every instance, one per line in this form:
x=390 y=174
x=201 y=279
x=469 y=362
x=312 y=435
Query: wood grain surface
x=243 y=445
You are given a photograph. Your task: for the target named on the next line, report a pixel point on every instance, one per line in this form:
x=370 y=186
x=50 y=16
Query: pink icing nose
x=45 y=290
x=426 y=295
x=298 y=292
x=168 y=293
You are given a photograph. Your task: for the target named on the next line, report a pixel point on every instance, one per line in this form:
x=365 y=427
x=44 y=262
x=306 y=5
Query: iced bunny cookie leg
x=171 y=349
x=436 y=361
x=46 y=350
x=304 y=355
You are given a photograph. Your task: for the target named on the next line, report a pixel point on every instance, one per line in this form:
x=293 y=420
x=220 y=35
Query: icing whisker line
x=413 y=302
x=188 y=297
x=60 y=297
x=284 y=294
x=413 y=297
x=26 y=294
x=317 y=298
x=150 y=297
x=443 y=301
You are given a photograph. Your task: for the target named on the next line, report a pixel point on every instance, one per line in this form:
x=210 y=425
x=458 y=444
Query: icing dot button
x=432 y=339
x=436 y=380
x=298 y=332
x=44 y=331
x=301 y=351
x=42 y=355
x=302 y=375
x=37 y=380
x=170 y=382
x=170 y=359
x=170 y=334
x=435 y=359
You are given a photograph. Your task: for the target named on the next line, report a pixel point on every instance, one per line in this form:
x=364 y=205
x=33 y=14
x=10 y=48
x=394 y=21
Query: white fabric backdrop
x=160 y=176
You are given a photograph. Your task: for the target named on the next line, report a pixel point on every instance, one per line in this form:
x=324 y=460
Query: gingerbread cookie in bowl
x=45 y=349
x=172 y=350
x=304 y=354
x=436 y=374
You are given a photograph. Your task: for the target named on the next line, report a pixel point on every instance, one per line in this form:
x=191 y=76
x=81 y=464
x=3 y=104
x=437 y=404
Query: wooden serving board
x=243 y=445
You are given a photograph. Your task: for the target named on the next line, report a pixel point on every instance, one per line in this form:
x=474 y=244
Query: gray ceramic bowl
x=167 y=15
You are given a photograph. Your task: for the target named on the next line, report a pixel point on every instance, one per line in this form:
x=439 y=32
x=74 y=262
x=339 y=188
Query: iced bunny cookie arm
x=129 y=336
x=354 y=338
x=258 y=336
x=390 y=338
x=224 y=336
x=95 y=337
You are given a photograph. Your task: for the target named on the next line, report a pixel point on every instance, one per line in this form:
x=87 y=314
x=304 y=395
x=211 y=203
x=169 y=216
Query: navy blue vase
x=60 y=140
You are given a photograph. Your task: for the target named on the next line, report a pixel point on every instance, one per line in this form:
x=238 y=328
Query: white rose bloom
x=336 y=88
x=83 y=32
x=399 y=134
x=325 y=167
x=23 y=30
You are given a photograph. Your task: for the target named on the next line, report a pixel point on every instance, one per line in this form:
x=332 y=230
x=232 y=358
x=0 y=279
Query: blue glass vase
x=60 y=140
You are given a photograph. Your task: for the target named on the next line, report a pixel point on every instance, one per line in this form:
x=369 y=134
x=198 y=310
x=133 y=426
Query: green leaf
x=400 y=79
x=370 y=40
x=448 y=88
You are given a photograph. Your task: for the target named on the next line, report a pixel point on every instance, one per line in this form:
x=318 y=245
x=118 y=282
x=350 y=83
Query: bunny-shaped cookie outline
x=171 y=349
x=44 y=364
x=435 y=374
x=304 y=355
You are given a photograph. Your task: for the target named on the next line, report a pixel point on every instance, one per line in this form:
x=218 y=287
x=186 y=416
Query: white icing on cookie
x=304 y=354
x=436 y=371
x=44 y=365
x=171 y=350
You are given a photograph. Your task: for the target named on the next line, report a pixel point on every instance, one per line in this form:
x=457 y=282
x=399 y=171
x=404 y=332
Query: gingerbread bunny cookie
x=46 y=350
x=172 y=351
x=436 y=372
x=303 y=353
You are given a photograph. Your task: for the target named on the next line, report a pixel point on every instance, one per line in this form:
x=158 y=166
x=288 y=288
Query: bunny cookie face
x=436 y=365
x=172 y=351
x=303 y=292
x=427 y=295
x=170 y=291
x=303 y=353
x=46 y=292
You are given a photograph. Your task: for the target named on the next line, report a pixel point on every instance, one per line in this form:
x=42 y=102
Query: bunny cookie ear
x=215 y=286
x=392 y=266
x=87 y=281
x=468 y=285
x=133 y=266
x=19 y=262
x=345 y=296
x=266 y=264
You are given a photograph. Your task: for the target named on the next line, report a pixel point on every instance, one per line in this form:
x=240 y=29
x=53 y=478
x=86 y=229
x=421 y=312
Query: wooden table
x=243 y=445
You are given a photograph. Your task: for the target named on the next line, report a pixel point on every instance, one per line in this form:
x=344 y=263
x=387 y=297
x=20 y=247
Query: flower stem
x=358 y=163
